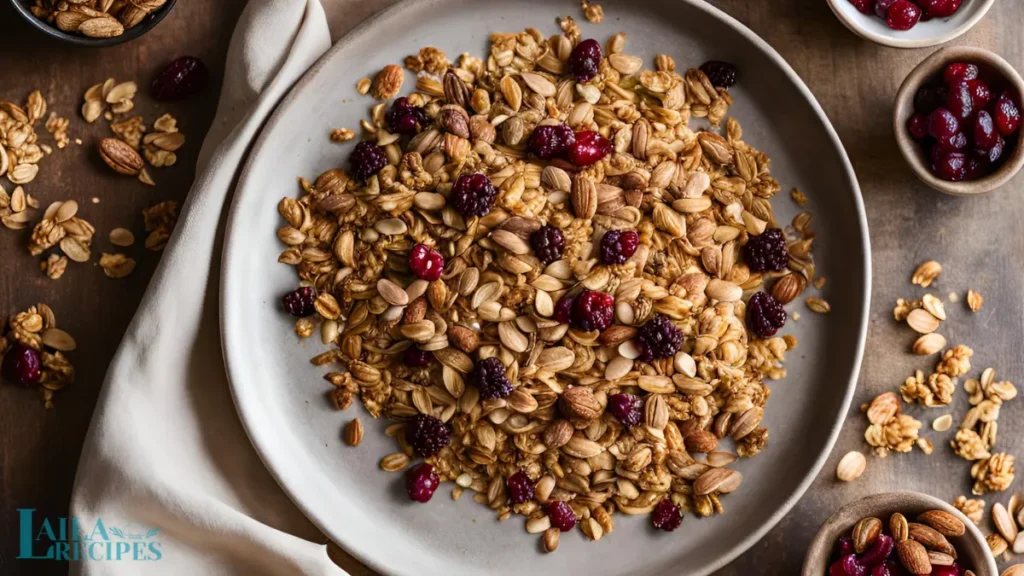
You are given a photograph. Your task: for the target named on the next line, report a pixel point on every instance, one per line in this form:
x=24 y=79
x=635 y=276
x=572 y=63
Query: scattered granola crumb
x=342 y=135
x=58 y=127
x=116 y=265
x=819 y=282
x=973 y=508
x=593 y=12
x=904 y=307
x=954 y=297
x=55 y=265
x=993 y=474
x=363 y=86
x=926 y=273
x=974 y=300
x=799 y=197
x=95 y=200
x=159 y=221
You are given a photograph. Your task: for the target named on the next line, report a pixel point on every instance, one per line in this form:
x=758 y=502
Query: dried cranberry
x=844 y=546
x=561 y=515
x=766 y=252
x=960 y=100
x=183 y=77
x=299 y=302
x=765 y=315
x=951 y=570
x=943 y=124
x=862 y=5
x=980 y=94
x=22 y=365
x=589 y=148
x=903 y=15
x=585 y=60
x=473 y=195
x=425 y=262
x=959 y=72
x=993 y=154
x=666 y=516
x=957 y=141
x=618 y=245
x=882 y=7
x=852 y=567
x=421 y=481
x=977 y=167
x=563 y=310
x=887 y=568
x=520 y=487
x=659 y=338
x=548 y=243
x=404 y=118
x=427 y=435
x=928 y=98
x=948 y=165
x=939 y=8
x=721 y=74
x=549 y=141
x=628 y=408
x=985 y=134
x=367 y=159
x=1007 y=115
x=918 y=127
x=593 y=310
x=879 y=551
x=416 y=358
x=488 y=376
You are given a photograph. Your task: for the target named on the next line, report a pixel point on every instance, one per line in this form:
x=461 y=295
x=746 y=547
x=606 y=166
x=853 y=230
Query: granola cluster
x=32 y=348
x=547 y=419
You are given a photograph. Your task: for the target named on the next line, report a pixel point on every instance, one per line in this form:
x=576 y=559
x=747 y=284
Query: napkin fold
x=165 y=449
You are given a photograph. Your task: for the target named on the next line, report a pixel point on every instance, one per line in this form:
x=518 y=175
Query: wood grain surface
x=978 y=241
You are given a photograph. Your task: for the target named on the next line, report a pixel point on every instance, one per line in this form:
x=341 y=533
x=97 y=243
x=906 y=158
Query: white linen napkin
x=165 y=449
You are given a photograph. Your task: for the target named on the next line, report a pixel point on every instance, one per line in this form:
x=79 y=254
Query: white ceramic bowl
x=931 y=33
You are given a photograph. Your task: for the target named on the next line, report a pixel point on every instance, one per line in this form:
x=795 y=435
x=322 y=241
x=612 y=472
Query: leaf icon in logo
x=117 y=532
x=152 y=532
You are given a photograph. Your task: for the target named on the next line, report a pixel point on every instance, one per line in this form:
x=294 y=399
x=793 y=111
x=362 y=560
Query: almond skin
x=943 y=522
x=914 y=557
x=121 y=157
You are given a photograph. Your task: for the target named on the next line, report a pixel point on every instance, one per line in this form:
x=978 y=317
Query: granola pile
x=563 y=330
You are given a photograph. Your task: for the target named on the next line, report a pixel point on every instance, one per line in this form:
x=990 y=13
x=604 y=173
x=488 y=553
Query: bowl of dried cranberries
x=957 y=121
x=910 y=23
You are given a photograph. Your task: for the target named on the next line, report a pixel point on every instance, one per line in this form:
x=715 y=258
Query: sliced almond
x=929 y=344
x=1004 y=522
x=851 y=466
x=392 y=293
x=922 y=321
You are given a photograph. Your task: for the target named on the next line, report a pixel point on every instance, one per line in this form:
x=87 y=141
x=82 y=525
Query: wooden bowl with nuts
x=93 y=23
x=904 y=533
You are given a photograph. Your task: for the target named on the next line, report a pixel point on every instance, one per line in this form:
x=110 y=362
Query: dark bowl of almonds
x=93 y=23
x=899 y=534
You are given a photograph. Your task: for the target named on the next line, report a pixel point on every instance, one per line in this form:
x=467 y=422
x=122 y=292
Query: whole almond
x=943 y=522
x=929 y=537
x=388 y=82
x=898 y=527
x=865 y=533
x=415 y=311
x=454 y=119
x=616 y=334
x=580 y=402
x=557 y=434
x=463 y=338
x=701 y=442
x=851 y=466
x=120 y=156
x=584 y=196
x=788 y=288
x=914 y=557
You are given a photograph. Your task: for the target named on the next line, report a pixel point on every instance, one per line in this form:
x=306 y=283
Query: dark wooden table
x=978 y=241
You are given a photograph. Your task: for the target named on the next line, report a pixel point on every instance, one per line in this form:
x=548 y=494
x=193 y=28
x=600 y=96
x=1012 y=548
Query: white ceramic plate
x=281 y=397
x=931 y=33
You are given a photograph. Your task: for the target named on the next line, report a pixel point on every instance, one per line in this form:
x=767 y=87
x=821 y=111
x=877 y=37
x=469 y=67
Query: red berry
x=853 y=567
x=977 y=167
x=1007 y=115
x=22 y=365
x=588 y=148
x=618 y=245
x=549 y=141
x=960 y=100
x=959 y=72
x=628 y=408
x=862 y=5
x=951 y=570
x=404 y=118
x=473 y=195
x=878 y=552
x=928 y=98
x=903 y=15
x=957 y=141
x=918 y=127
x=995 y=152
x=593 y=310
x=980 y=93
x=425 y=262
x=421 y=481
x=416 y=358
x=948 y=165
x=939 y=8
x=299 y=302
x=844 y=546
x=427 y=435
x=585 y=59
x=183 y=77
x=985 y=134
x=563 y=310
x=489 y=377
x=942 y=124
x=882 y=7
x=520 y=487
x=666 y=516
x=561 y=515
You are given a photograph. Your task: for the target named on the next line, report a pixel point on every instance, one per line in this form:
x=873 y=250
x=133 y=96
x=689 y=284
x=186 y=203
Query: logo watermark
x=69 y=539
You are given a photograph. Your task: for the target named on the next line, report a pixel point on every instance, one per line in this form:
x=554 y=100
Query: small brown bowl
x=915 y=154
x=972 y=550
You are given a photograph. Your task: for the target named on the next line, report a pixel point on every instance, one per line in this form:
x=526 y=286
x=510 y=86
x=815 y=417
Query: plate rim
x=232 y=353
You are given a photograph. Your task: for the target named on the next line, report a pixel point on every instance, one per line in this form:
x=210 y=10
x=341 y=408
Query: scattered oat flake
x=818 y=305
x=593 y=12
